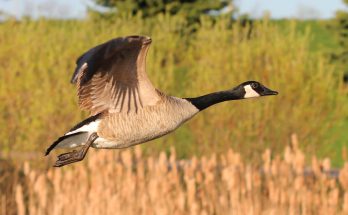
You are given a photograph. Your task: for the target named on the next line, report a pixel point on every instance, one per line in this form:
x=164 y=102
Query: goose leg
x=75 y=156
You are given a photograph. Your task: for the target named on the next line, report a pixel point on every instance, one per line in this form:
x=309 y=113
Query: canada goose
x=125 y=108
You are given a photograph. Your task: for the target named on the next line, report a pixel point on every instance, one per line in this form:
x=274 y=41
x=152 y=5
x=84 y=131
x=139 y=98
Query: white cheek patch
x=249 y=92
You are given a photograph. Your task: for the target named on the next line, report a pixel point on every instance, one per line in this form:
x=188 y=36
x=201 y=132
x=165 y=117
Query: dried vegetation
x=125 y=182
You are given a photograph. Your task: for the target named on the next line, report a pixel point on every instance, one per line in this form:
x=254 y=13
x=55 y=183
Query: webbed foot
x=75 y=156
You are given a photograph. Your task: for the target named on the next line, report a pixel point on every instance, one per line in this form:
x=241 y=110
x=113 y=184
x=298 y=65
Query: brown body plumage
x=124 y=130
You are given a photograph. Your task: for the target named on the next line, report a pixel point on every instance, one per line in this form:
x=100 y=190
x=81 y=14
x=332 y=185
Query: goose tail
x=68 y=141
x=78 y=135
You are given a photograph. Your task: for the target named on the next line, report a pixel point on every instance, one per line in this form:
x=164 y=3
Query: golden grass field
x=126 y=182
x=234 y=158
x=38 y=103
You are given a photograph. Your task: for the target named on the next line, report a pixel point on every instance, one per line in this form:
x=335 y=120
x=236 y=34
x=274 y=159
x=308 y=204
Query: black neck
x=202 y=102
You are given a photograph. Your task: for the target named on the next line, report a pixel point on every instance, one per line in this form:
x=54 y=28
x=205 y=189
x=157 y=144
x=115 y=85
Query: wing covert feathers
x=111 y=77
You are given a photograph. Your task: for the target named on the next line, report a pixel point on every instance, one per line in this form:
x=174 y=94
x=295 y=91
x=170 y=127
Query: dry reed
x=127 y=182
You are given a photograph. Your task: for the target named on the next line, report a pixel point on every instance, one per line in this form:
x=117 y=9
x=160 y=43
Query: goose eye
x=254 y=85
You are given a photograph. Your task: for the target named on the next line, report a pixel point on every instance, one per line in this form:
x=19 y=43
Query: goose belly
x=125 y=130
x=125 y=139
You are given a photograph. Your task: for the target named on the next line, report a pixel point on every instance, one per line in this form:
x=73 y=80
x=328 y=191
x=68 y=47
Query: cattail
x=326 y=164
x=125 y=182
x=20 y=200
x=316 y=167
x=343 y=178
x=266 y=157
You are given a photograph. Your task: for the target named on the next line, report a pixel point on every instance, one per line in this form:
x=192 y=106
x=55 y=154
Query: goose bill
x=268 y=92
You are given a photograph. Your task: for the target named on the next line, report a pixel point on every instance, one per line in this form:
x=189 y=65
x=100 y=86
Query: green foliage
x=38 y=104
x=340 y=28
x=191 y=9
x=321 y=39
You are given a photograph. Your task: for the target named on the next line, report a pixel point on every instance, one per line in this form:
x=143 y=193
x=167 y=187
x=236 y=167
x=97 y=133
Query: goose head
x=252 y=89
x=249 y=89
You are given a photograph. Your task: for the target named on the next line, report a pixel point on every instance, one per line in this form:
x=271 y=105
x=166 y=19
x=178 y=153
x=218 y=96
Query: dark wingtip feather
x=73 y=79
x=80 y=63
x=84 y=58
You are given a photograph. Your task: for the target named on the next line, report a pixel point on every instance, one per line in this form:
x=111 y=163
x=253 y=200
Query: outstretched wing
x=112 y=77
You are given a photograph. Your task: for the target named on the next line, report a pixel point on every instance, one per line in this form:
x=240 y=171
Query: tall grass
x=126 y=182
x=38 y=104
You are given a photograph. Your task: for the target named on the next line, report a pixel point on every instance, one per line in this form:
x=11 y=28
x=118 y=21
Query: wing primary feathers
x=135 y=100
x=112 y=76
x=139 y=97
x=129 y=92
x=123 y=96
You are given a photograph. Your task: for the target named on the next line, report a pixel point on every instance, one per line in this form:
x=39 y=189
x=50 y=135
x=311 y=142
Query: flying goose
x=125 y=108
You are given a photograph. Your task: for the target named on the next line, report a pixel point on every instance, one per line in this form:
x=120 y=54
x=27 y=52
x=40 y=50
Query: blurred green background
x=194 y=52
